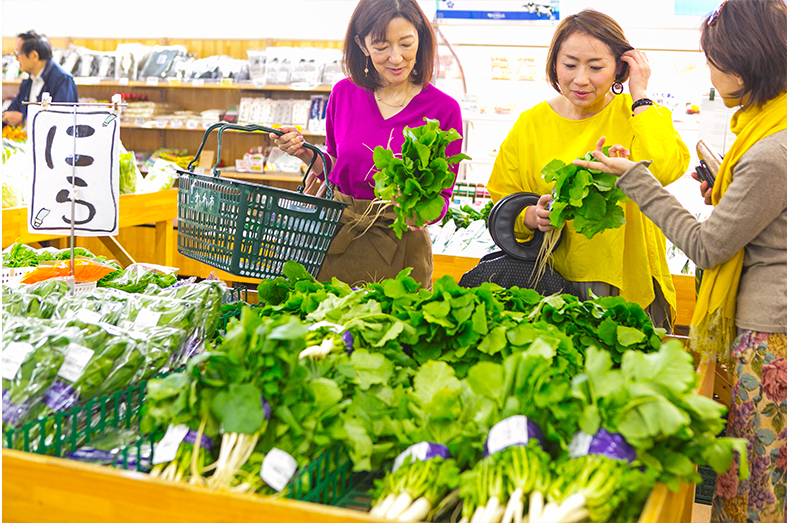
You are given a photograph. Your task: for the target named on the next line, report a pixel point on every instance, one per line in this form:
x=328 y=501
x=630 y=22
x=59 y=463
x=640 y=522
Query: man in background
x=34 y=53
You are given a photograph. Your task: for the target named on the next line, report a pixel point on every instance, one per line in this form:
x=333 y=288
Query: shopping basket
x=249 y=229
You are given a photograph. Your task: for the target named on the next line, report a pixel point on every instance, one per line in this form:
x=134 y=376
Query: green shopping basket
x=249 y=229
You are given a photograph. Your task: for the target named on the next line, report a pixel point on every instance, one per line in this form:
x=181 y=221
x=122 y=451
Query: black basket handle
x=502 y=222
x=223 y=126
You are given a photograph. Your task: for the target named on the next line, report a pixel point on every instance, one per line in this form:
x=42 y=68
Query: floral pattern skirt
x=758 y=413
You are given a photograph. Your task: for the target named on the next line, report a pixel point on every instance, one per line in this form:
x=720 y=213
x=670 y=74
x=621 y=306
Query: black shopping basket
x=249 y=229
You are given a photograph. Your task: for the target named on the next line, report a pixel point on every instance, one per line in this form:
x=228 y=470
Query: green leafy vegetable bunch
x=414 y=181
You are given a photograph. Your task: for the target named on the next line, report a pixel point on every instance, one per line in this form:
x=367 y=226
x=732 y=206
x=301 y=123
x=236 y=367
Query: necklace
x=408 y=95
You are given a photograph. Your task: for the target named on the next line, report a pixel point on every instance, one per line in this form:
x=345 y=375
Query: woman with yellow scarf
x=741 y=310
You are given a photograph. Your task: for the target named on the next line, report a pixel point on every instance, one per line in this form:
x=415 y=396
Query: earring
x=617 y=88
x=414 y=68
x=367 y=61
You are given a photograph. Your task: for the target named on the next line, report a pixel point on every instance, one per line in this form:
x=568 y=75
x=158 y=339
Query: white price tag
x=14 y=355
x=165 y=450
x=197 y=82
x=147 y=318
x=580 y=444
x=152 y=80
x=123 y=81
x=506 y=433
x=277 y=469
x=75 y=361
x=88 y=316
x=417 y=452
x=192 y=124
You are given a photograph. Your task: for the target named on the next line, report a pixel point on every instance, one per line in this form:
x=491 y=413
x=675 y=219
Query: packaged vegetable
x=85 y=270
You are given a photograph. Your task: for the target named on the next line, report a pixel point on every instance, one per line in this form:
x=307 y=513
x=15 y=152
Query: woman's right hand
x=537 y=216
x=704 y=190
x=292 y=142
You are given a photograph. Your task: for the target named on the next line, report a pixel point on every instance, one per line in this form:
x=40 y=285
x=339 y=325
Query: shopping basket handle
x=253 y=127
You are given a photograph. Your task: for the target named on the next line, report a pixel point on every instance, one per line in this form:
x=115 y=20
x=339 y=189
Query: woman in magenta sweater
x=388 y=56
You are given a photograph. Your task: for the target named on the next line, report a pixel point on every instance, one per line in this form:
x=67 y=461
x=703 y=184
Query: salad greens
x=414 y=181
x=588 y=197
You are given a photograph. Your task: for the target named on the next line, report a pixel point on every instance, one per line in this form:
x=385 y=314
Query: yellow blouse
x=628 y=257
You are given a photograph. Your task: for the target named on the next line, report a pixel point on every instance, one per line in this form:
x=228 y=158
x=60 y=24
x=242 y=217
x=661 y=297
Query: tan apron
x=356 y=258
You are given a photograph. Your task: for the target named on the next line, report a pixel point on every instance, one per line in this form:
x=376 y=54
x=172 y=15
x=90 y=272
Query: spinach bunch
x=588 y=197
x=415 y=181
x=651 y=402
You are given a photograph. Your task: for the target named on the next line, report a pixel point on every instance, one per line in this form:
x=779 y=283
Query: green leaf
x=494 y=341
x=239 y=408
x=766 y=436
x=370 y=368
x=325 y=392
x=627 y=336
x=432 y=377
x=488 y=379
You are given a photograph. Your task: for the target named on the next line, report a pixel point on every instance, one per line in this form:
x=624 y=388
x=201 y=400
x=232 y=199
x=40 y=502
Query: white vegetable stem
x=417 y=511
x=513 y=505
x=535 y=506
x=400 y=504
x=571 y=504
x=491 y=509
x=382 y=506
x=477 y=517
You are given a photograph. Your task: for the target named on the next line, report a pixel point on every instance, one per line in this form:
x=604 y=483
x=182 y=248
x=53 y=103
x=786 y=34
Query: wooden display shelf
x=168 y=127
x=265 y=176
x=159 y=208
x=43 y=489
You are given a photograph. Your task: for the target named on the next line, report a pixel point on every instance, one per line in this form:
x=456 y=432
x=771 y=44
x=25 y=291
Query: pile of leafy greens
x=415 y=181
x=586 y=196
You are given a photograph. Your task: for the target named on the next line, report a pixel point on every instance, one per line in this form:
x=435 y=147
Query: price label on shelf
x=147 y=318
x=226 y=82
x=75 y=361
x=174 y=82
x=123 y=82
x=13 y=356
x=278 y=468
x=192 y=124
x=152 y=81
x=506 y=433
x=197 y=82
x=165 y=450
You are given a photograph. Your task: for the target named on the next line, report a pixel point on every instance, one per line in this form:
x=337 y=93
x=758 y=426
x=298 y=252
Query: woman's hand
x=292 y=143
x=537 y=216
x=640 y=73
x=704 y=190
x=616 y=163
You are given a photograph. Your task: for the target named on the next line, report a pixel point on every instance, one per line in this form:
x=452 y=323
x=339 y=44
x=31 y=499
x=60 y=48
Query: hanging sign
x=75 y=156
x=498 y=10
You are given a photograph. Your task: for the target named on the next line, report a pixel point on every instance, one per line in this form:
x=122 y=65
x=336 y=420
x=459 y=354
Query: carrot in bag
x=85 y=270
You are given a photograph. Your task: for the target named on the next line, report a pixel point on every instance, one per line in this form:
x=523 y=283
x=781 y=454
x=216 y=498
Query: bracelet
x=640 y=103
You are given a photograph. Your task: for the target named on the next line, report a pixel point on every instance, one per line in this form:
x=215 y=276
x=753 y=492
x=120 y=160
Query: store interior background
x=679 y=76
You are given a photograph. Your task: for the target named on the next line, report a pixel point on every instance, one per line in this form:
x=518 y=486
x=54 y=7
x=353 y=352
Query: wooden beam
x=117 y=250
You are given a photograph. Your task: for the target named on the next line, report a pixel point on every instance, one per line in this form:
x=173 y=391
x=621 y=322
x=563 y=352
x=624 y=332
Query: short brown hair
x=749 y=39
x=600 y=27
x=371 y=17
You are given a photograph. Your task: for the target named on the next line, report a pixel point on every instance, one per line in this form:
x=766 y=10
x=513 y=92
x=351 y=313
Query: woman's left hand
x=640 y=73
x=616 y=163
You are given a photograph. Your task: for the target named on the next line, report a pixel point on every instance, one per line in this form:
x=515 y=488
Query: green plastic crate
x=61 y=433
x=705 y=490
x=327 y=478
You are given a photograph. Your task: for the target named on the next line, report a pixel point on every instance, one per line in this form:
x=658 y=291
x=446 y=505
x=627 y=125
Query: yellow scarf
x=713 y=322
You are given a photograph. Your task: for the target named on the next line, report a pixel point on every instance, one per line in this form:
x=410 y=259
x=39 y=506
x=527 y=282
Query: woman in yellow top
x=588 y=60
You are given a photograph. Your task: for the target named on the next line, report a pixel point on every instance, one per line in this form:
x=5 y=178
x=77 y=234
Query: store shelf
x=266 y=176
x=160 y=208
x=168 y=83
x=200 y=128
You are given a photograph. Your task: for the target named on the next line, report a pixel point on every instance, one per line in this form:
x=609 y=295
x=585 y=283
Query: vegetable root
x=535 y=506
x=513 y=506
x=491 y=508
x=400 y=504
x=477 y=517
x=382 y=506
x=417 y=511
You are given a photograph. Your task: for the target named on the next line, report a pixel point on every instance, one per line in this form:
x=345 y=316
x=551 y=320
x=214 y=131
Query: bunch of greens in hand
x=415 y=181
x=586 y=196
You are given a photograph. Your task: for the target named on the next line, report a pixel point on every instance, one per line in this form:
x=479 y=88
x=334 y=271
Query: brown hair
x=600 y=27
x=371 y=17
x=749 y=39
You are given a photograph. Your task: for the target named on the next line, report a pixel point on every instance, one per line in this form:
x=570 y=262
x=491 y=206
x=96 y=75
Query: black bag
x=515 y=263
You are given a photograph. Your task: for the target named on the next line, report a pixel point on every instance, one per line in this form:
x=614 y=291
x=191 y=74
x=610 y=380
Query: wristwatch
x=640 y=103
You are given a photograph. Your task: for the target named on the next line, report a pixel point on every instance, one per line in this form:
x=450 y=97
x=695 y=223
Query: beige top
x=752 y=215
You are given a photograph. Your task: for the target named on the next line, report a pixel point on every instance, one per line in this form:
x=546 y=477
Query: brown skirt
x=365 y=248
